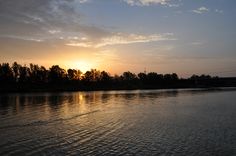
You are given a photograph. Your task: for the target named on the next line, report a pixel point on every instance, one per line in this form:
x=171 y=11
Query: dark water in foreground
x=151 y=122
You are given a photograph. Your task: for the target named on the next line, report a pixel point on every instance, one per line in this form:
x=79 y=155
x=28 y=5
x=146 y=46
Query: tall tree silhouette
x=105 y=76
x=56 y=74
x=16 y=71
x=6 y=73
x=24 y=74
x=128 y=76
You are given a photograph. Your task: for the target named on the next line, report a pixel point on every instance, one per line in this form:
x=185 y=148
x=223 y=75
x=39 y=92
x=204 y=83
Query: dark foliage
x=16 y=77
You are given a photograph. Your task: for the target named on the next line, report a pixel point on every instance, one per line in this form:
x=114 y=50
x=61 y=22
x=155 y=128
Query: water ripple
x=121 y=123
x=45 y=122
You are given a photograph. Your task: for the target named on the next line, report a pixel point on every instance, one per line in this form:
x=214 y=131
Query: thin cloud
x=25 y=38
x=133 y=38
x=219 y=11
x=201 y=10
x=83 y=1
x=120 y=38
x=149 y=2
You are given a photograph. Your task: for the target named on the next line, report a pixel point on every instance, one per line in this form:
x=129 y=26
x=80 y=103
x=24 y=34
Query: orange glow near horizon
x=81 y=65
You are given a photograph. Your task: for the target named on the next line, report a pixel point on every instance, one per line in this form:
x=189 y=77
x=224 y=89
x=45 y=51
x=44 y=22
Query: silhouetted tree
x=38 y=74
x=56 y=74
x=72 y=74
x=92 y=75
x=167 y=77
x=154 y=78
x=128 y=76
x=24 y=74
x=105 y=77
x=175 y=77
x=142 y=77
x=88 y=76
x=43 y=74
x=34 y=76
x=16 y=71
x=6 y=73
x=79 y=75
x=96 y=74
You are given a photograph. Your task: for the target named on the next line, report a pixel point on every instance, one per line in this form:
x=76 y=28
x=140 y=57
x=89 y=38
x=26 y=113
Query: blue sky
x=183 y=36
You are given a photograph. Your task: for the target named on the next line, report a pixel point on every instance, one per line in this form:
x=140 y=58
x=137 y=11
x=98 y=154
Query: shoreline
x=59 y=90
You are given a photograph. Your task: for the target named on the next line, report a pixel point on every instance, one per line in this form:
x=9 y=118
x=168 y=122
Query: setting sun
x=82 y=65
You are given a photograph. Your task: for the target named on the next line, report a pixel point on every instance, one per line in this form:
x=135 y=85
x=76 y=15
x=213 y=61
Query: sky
x=164 y=36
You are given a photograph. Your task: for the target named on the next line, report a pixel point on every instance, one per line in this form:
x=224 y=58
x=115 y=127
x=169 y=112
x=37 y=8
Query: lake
x=141 y=122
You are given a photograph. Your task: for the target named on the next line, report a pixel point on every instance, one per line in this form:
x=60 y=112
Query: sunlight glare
x=82 y=65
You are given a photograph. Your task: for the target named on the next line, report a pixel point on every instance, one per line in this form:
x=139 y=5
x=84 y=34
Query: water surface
x=148 y=122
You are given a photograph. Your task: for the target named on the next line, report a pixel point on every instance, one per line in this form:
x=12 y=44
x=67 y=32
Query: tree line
x=34 y=76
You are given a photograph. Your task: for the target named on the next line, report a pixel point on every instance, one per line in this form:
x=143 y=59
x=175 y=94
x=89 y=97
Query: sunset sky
x=183 y=36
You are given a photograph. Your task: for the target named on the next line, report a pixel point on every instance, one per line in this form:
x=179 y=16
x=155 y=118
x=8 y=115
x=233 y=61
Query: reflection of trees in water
x=158 y=94
x=129 y=95
x=11 y=104
x=5 y=104
x=14 y=103
x=92 y=97
x=56 y=100
x=19 y=102
x=105 y=97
